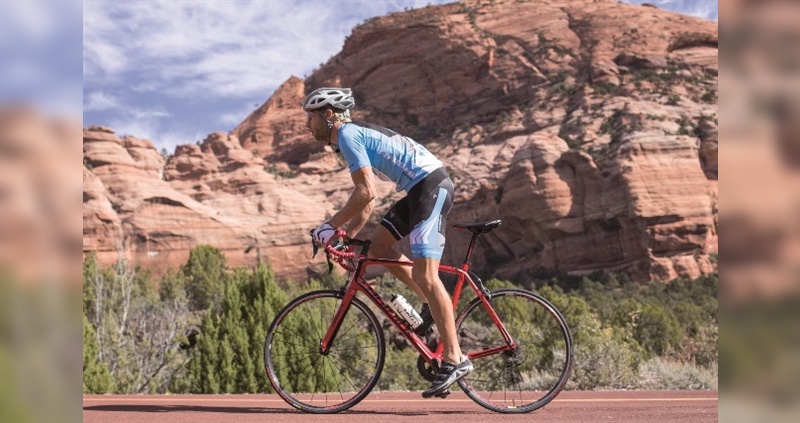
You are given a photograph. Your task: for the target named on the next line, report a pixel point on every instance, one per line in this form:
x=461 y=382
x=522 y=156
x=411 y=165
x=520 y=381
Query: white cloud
x=139 y=123
x=201 y=49
x=171 y=139
x=706 y=9
x=103 y=59
x=154 y=125
x=230 y=120
x=99 y=100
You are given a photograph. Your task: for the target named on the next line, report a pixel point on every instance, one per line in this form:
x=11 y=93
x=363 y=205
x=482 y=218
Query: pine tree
x=270 y=299
x=227 y=368
x=96 y=378
x=89 y=296
x=205 y=271
x=203 y=367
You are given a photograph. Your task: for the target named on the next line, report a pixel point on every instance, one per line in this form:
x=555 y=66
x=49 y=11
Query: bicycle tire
x=295 y=365
x=536 y=371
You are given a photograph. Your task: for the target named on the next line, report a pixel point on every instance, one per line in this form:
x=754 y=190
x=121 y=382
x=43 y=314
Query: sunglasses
x=308 y=114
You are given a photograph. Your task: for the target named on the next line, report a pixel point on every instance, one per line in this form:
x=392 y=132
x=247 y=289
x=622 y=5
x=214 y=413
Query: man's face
x=317 y=125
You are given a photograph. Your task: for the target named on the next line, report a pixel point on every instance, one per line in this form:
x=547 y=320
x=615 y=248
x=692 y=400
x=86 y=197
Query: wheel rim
x=524 y=378
x=314 y=382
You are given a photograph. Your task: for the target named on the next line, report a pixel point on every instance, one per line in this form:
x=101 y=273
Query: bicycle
x=325 y=350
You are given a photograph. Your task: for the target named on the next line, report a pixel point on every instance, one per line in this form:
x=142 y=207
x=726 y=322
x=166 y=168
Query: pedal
x=444 y=393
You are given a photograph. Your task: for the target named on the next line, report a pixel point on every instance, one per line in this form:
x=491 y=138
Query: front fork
x=330 y=335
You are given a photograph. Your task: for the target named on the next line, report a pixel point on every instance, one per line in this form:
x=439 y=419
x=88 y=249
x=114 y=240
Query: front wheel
x=323 y=383
x=523 y=378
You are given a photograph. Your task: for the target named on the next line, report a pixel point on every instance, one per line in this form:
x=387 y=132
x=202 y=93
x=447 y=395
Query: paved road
x=383 y=407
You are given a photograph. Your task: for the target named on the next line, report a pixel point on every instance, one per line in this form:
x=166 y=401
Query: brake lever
x=314 y=246
x=330 y=263
x=340 y=246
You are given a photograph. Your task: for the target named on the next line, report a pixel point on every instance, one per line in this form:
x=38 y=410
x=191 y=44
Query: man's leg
x=426 y=276
x=382 y=242
x=453 y=366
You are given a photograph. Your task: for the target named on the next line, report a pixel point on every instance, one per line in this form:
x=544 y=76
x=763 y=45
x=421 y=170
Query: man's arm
x=360 y=204
x=358 y=222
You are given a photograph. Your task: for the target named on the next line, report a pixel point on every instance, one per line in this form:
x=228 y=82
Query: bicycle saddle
x=479 y=227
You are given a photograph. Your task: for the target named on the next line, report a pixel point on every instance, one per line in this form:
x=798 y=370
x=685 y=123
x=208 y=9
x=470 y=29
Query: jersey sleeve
x=353 y=151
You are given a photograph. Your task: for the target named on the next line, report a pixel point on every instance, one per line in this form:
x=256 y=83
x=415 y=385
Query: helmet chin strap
x=330 y=130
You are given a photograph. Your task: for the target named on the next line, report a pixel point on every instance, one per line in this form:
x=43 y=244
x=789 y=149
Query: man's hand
x=324 y=233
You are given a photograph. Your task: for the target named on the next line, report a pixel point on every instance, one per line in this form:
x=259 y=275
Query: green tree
x=172 y=286
x=90 y=270
x=96 y=378
x=229 y=355
x=203 y=366
x=205 y=273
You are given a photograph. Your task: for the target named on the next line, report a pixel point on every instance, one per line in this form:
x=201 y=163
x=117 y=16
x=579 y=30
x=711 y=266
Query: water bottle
x=404 y=310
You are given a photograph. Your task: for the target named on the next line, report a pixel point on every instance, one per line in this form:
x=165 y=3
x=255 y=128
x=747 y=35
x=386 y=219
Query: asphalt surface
x=382 y=407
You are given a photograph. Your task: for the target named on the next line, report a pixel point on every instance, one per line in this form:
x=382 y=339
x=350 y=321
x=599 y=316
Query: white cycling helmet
x=338 y=98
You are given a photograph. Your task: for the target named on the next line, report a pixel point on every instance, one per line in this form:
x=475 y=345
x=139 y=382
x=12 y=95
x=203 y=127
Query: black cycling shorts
x=422 y=215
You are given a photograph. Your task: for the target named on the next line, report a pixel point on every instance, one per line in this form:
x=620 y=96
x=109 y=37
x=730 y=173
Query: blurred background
x=759 y=343
x=40 y=210
x=41 y=236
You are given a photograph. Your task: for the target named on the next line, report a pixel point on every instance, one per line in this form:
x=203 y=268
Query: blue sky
x=175 y=71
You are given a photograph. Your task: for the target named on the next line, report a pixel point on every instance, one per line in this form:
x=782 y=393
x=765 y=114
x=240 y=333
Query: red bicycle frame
x=356 y=284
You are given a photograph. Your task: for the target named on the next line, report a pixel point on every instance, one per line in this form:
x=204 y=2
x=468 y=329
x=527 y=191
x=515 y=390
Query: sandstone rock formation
x=589 y=127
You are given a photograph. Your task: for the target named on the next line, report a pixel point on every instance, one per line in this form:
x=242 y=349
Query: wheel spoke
x=305 y=354
x=292 y=343
x=338 y=384
x=345 y=376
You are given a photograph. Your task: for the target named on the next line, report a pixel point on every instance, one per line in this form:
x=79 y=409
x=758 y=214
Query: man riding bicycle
x=420 y=215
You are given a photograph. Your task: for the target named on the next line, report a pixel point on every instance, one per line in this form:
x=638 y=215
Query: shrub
x=400 y=370
x=660 y=373
x=605 y=356
x=653 y=327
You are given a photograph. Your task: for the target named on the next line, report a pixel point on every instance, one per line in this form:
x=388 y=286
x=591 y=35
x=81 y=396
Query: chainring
x=427 y=370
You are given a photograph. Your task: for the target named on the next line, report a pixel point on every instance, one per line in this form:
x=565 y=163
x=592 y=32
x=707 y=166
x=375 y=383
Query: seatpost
x=469 y=250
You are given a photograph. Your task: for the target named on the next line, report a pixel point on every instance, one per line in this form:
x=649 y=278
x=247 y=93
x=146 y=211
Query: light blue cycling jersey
x=393 y=157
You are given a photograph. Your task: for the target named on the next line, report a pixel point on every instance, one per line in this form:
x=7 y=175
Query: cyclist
x=420 y=215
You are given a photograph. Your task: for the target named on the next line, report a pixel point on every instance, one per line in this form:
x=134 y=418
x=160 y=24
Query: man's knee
x=382 y=242
x=425 y=274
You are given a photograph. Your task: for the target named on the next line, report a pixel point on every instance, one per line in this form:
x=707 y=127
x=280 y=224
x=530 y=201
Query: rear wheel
x=528 y=376
x=323 y=383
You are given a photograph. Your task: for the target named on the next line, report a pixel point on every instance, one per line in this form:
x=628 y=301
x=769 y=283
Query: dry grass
x=659 y=373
